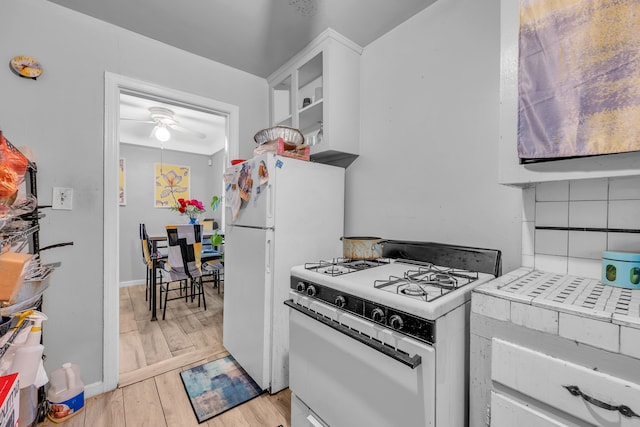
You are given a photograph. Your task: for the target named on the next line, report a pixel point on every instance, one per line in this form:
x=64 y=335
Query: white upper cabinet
x=318 y=92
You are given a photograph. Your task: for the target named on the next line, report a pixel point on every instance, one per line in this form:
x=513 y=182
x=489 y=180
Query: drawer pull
x=623 y=409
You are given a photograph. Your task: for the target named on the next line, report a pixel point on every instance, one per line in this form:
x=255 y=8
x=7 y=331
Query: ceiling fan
x=163 y=120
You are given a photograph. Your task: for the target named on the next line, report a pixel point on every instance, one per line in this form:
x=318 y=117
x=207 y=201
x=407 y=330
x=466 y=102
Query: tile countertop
x=577 y=308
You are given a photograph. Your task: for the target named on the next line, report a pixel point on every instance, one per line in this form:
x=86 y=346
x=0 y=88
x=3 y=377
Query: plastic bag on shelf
x=10 y=221
x=13 y=166
x=24 y=206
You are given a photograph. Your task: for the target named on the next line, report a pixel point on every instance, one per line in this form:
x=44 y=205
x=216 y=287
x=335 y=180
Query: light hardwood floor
x=152 y=354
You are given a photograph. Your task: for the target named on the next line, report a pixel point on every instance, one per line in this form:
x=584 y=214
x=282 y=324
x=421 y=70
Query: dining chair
x=207 y=224
x=215 y=269
x=148 y=262
x=184 y=265
x=213 y=258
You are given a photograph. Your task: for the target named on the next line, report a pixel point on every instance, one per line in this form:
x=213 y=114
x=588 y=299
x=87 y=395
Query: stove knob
x=377 y=314
x=340 y=301
x=300 y=287
x=395 y=322
x=311 y=290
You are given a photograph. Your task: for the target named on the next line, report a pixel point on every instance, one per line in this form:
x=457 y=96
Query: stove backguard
x=466 y=258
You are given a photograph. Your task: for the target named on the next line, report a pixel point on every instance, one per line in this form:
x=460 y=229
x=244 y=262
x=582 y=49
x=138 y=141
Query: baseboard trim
x=132 y=283
x=94 y=389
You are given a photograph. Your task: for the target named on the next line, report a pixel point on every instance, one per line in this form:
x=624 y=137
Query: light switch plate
x=62 y=198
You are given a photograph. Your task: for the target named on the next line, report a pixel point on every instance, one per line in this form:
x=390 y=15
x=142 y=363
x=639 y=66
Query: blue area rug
x=218 y=386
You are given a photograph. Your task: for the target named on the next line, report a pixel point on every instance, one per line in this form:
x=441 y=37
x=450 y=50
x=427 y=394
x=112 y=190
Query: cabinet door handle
x=623 y=409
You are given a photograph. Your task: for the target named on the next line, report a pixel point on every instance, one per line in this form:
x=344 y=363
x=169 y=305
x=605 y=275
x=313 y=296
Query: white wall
x=429 y=138
x=60 y=116
x=205 y=182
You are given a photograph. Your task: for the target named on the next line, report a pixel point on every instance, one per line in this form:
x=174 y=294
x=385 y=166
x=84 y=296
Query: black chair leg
x=166 y=297
x=146 y=291
x=204 y=300
x=159 y=287
x=189 y=287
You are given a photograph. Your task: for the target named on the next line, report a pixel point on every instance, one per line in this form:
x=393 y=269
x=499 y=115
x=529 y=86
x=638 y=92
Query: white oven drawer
x=302 y=416
x=347 y=383
x=585 y=393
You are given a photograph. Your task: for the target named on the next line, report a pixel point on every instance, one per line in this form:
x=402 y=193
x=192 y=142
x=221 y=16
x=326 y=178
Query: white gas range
x=384 y=342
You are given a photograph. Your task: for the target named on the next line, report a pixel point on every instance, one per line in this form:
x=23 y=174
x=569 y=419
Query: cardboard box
x=282 y=148
x=13 y=268
x=301 y=152
x=9 y=400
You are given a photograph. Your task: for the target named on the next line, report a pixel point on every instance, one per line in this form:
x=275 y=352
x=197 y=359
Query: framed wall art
x=171 y=183
x=578 y=78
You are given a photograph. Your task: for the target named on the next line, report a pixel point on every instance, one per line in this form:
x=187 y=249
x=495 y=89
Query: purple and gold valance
x=578 y=78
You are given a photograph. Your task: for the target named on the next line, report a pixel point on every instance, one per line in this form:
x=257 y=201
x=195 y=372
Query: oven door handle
x=411 y=361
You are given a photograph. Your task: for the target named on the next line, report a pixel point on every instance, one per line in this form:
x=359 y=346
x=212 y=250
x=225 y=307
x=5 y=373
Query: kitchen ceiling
x=198 y=132
x=256 y=36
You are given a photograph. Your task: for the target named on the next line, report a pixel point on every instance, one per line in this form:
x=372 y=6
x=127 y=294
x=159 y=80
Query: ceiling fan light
x=162 y=134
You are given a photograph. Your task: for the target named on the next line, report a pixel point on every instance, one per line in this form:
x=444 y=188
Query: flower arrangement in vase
x=192 y=208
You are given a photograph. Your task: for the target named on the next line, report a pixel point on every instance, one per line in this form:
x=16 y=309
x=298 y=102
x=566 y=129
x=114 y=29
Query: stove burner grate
x=414 y=290
x=428 y=282
x=339 y=266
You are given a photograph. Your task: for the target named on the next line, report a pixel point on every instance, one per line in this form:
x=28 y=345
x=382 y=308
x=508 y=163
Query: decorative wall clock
x=26 y=66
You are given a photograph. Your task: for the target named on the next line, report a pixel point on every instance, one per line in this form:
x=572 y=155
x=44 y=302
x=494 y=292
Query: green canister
x=621 y=269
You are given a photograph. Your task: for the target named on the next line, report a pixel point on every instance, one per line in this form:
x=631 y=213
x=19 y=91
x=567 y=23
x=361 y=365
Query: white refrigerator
x=294 y=214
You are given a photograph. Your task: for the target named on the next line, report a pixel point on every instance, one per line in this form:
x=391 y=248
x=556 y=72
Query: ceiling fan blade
x=153 y=131
x=179 y=128
x=137 y=120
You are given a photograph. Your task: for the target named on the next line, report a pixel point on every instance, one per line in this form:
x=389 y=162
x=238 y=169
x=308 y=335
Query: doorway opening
x=115 y=87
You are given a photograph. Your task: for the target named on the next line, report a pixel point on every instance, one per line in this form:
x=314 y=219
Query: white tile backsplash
x=552 y=242
x=528 y=261
x=528 y=234
x=552 y=191
x=588 y=189
x=624 y=214
x=529 y=204
x=587 y=244
x=591 y=268
x=552 y=214
x=629 y=242
x=624 y=188
x=595 y=204
x=551 y=263
x=592 y=214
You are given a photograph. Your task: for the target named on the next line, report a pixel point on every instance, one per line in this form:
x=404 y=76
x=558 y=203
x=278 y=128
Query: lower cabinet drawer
x=589 y=395
x=507 y=412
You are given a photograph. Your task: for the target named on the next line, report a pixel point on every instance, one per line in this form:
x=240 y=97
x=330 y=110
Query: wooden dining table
x=155 y=239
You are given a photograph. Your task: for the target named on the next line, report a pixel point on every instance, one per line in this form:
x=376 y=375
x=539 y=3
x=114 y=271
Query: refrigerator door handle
x=269 y=201
x=269 y=256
